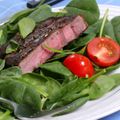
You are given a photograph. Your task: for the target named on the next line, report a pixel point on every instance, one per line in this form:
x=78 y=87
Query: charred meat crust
x=39 y=34
x=3 y=50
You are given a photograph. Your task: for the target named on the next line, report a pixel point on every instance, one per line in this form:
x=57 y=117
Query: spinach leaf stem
x=103 y=22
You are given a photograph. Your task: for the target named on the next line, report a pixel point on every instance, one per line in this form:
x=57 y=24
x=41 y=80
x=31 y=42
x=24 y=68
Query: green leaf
x=20 y=92
x=101 y=86
x=3 y=36
x=68 y=93
x=12 y=24
x=95 y=29
x=109 y=31
x=56 y=70
x=42 y=13
x=73 y=106
x=37 y=81
x=19 y=15
x=81 y=41
x=73 y=90
x=12 y=29
x=60 y=13
x=26 y=26
x=2 y=64
x=19 y=110
x=12 y=47
x=27 y=89
x=116 y=26
x=12 y=72
x=52 y=86
x=6 y=116
x=14 y=88
x=46 y=86
x=116 y=78
x=87 y=8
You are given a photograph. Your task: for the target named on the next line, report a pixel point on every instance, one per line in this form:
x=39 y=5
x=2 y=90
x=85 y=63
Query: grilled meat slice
x=54 y=32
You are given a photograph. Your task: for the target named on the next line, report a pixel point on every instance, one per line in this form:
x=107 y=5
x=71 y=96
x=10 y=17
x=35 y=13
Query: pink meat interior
x=56 y=40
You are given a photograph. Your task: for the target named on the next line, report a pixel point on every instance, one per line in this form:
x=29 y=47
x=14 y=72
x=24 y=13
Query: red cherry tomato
x=79 y=65
x=103 y=51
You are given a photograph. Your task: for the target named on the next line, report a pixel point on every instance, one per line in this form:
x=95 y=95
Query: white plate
x=102 y=107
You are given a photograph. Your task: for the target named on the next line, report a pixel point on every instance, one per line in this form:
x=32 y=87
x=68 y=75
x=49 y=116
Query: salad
x=72 y=76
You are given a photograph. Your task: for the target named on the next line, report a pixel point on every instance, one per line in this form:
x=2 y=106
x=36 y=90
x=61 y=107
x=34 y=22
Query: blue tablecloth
x=8 y=7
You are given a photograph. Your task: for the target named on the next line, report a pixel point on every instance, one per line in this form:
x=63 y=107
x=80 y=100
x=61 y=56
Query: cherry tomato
x=79 y=65
x=103 y=51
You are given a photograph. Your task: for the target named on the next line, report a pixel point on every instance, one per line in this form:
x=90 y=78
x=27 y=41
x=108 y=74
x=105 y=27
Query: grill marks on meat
x=55 y=32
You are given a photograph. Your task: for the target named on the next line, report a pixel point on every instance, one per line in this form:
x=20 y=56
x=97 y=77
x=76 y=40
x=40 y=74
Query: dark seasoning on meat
x=35 y=38
x=54 y=32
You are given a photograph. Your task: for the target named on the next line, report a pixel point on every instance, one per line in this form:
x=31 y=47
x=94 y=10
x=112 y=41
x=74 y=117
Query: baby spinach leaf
x=60 y=13
x=42 y=13
x=20 y=93
x=74 y=88
x=52 y=86
x=2 y=64
x=19 y=110
x=73 y=106
x=81 y=41
x=37 y=81
x=116 y=26
x=94 y=28
x=101 y=86
x=55 y=69
x=87 y=8
x=12 y=72
x=12 y=30
x=12 y=87
x=68 y=93
x=3 y=36
x=12 y=47
x=113 y=67
x=19 y=15
x=46 y=86
x=27 y=88
x=84 y=41
x=26 y=26
x=108 y=29
x=116 y=78
x=6 y=116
